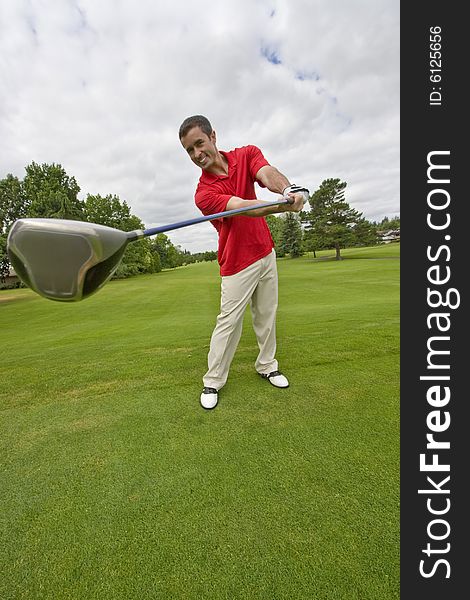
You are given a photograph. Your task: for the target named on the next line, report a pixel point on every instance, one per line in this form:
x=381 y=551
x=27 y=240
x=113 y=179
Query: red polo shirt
x=242 y=240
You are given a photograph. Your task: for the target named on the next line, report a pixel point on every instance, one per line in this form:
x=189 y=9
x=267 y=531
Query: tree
x=110 y=211
x=168 y=254
x=386 y=223
x=48 y=192
x=291 y=235
x=311 y=242
x=13 y=206
x=275 y=227
x=208 y=255
x=156 y=262
x=331 y=218
x=364 y=233
x=51 y=192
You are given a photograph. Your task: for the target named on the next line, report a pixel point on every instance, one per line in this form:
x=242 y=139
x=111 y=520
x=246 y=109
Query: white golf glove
x=296 y=189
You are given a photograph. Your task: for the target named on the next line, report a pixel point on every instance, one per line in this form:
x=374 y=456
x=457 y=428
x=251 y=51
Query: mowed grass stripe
x=115 y=484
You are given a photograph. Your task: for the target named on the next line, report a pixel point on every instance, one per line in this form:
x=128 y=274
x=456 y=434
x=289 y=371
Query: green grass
x=115 y=484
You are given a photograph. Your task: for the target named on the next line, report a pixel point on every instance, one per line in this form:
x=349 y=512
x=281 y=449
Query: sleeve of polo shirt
x=210 y=202
x=256 y=160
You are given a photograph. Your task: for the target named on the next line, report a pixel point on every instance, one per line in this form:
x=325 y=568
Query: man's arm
x=236 y=202
x=276 y=182
x=273 y=179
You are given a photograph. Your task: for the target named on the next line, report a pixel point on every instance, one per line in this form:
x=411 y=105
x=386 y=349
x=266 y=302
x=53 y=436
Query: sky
x=101 y=88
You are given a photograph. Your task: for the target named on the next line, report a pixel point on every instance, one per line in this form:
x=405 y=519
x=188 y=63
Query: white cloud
x=102 y=87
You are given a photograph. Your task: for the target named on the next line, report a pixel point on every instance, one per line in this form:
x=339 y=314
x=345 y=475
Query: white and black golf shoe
x=276 y=378
x=209 y=398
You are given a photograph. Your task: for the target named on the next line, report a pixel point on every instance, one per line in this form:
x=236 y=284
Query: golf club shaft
x=138 y=234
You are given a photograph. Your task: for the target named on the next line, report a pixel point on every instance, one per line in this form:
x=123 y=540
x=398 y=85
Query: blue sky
x=102 y=87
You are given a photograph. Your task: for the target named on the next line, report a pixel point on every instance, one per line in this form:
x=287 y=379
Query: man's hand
x=299 y=195
x=296 y=195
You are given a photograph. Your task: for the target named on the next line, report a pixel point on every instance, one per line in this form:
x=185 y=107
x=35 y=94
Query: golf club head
x=64 y=260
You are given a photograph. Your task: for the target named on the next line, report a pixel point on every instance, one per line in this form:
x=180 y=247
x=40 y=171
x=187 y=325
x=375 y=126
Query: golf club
x=70 y=260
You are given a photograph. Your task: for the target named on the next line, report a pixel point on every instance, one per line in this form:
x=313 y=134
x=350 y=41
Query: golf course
x=116 y=485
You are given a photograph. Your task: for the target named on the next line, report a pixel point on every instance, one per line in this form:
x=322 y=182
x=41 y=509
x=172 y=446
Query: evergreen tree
x=364 y=233
x=331 y=218
x=275 y=227
x=291 y=235
x=386 y=223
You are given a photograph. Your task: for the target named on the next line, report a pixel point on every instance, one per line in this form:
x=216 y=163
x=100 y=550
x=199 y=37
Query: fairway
x=116 y=485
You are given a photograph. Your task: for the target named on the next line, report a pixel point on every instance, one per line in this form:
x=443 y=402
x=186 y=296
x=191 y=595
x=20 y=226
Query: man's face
x=200 y=147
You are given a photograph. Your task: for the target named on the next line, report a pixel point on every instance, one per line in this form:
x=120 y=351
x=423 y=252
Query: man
x=245 y=249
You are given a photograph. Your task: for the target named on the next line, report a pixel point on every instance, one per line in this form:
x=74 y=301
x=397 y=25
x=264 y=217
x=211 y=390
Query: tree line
x=47 y=191
x=329 y=224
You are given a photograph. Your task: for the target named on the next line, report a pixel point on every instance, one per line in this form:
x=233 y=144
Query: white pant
x=256 y=284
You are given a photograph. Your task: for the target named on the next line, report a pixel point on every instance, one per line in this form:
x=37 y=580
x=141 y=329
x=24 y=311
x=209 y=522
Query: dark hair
x=195 y=121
